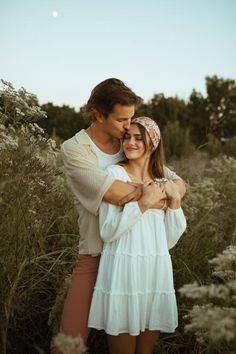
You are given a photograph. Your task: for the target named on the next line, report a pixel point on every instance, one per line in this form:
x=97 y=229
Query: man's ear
x=98 y=116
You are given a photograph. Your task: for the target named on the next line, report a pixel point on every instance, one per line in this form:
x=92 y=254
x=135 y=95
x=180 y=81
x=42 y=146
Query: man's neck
x=104 y=141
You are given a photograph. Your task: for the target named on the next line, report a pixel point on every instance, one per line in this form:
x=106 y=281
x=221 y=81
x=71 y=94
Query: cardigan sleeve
x=115 y=221
x=86 y=180
x=170 y=174
x=175 y=225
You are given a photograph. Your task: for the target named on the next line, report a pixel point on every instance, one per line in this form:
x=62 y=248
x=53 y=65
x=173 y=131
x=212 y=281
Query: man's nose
x=127 y=124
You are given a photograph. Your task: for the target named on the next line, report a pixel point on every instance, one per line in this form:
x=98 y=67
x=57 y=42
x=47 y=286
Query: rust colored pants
x=75 y=313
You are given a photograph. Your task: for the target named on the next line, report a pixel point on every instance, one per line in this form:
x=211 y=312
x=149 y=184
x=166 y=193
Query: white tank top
x=105 y=159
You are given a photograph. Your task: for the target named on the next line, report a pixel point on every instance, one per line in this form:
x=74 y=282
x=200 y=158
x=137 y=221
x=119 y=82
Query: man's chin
x=121 y=135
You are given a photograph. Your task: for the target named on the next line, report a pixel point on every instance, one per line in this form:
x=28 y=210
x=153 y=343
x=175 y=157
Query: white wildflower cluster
x=213 y=320
x=8 y=141
x=201 y=198
x=222 y=168
x=69 y=345
x=212 y=323
x=225 y=264
x=18 y=107
x=209 y=292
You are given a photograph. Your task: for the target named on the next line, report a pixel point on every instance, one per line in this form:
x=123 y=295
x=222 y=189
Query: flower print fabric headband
x=151 y=127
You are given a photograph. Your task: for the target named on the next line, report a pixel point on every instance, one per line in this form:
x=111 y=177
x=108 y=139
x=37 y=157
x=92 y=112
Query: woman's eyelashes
x=136 y=137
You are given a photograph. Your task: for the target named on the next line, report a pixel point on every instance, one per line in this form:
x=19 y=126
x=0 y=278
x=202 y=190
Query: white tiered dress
x=134 y=289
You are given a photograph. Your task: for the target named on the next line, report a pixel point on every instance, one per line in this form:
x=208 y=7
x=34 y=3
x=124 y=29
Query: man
x=86 y=155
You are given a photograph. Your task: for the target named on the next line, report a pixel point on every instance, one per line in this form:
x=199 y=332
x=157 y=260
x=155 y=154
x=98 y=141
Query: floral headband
x=152 y=129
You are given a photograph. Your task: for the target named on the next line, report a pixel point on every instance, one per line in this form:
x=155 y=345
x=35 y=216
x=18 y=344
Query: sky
x=60 y=49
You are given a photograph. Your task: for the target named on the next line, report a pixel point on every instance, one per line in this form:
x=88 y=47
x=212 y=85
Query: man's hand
x=181 y=186
x=172 y=192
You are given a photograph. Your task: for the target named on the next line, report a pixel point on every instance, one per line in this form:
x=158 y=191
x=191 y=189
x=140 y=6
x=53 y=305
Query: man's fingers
x=134 y=184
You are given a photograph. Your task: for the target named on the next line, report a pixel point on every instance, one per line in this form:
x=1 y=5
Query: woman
x=134 y=299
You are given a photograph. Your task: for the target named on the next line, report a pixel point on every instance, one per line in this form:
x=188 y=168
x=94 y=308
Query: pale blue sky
x=154 y=46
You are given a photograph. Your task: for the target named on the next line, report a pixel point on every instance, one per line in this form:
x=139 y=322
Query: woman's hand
x=152 y=194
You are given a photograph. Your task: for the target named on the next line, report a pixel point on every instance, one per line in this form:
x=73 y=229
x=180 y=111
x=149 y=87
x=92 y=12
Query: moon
x=55 y=13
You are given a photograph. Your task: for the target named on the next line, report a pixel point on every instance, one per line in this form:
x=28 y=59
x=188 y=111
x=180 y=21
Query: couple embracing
x=129 y=206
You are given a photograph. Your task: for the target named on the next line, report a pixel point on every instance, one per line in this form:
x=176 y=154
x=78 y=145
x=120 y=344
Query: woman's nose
x=132 y=140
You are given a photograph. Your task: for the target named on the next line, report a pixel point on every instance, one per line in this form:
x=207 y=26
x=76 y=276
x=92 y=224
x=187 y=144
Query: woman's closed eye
x=136 y=136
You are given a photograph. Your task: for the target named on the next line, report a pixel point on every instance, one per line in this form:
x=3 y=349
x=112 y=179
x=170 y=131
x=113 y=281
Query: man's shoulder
x=170 y=174
x=77 y=142
x=80 y=138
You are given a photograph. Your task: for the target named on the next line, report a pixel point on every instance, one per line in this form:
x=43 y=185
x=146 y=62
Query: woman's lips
x=130 y=149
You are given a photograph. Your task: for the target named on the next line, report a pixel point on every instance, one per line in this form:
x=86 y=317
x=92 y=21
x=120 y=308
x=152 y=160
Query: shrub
x=38 y=241
x=229 y=148
x=177 y=141
x=213 y=146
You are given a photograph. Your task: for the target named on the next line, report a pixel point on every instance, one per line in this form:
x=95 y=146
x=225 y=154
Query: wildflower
x=215 y=319
x=69 y=345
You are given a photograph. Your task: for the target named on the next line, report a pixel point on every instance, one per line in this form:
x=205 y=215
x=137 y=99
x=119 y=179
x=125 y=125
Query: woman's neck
x=138 y=170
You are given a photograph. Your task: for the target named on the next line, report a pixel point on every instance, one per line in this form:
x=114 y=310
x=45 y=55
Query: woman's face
x=133 y=143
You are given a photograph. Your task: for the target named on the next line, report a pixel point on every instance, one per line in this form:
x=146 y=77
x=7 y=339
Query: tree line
x=197 y=122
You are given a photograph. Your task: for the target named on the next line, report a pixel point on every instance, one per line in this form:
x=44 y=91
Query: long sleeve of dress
x=115 y=221
x=175 y=224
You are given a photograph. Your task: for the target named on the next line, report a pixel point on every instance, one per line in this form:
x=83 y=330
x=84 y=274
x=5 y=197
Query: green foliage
x=221 y=106
x=163 y=110
x=229 y=148
x=198 y=118
x=213 y=146
x=63 y=122
x=176 y=140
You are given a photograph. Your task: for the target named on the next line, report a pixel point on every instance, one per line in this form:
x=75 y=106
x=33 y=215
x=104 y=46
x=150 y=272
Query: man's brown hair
x=108 y=93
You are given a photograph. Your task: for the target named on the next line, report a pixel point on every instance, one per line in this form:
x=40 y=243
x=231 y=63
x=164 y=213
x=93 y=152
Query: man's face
x=118 y=121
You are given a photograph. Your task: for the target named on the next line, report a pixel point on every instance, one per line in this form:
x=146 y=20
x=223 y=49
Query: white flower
x=69 y=345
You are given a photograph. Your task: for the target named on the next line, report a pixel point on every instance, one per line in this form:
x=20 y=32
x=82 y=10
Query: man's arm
x=120 y=191
x=90 y=185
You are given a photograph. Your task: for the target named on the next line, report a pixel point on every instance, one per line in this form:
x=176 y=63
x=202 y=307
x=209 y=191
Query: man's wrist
x=175 y=202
